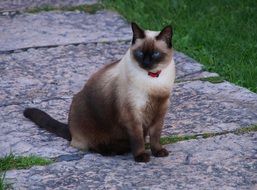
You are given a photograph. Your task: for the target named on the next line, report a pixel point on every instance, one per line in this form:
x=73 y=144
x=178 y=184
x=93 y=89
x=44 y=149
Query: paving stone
x=58 y=28
x=223 y=162
x=47 y=78
x=62 y=71
x=38 y=78
x=20 y=5
x=52 y=72
x=21 y=137
x=198 y=107
x=189 y=69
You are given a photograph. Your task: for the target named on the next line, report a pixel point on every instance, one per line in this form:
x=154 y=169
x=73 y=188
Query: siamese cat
x=123 y=102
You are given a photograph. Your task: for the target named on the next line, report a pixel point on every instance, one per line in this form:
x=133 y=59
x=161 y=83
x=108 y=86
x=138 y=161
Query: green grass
x=175 y=138
x=2 y=184
x=220 y=34
x=213 y=80
x=18 y=162
x=83 y=8
x=243 y=130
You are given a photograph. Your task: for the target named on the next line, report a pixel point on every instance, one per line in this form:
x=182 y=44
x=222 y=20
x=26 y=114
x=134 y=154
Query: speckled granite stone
x=198 y=107
x=224 y=162
x=21 y=137
x=20 y=5
x=47 y=78
x=62 y=71
x=188 y=69
x=59 y=28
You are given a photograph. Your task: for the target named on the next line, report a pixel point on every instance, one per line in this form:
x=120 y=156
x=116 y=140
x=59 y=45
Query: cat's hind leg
x=79 y=143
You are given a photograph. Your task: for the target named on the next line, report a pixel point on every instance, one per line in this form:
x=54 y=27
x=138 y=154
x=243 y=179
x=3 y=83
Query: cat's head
x=151 y=50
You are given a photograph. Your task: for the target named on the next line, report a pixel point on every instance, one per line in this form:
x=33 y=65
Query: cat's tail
x=43 y=120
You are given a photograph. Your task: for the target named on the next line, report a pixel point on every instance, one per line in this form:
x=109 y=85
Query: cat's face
x=151 y=50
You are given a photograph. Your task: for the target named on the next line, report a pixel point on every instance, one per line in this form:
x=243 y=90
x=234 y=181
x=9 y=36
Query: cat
x=123 y=102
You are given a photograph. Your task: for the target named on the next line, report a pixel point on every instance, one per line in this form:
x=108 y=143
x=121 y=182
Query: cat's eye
x=156 y=54
x=139 y=54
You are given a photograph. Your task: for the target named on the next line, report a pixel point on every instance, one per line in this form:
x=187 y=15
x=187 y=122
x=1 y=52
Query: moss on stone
x=213 y=80
x=83 y=8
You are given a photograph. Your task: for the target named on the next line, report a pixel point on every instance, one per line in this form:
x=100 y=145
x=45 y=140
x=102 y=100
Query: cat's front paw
x=143 y=157
x=161 y=153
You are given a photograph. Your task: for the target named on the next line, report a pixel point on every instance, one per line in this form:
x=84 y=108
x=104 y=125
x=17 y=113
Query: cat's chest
x=146 y=106
x=138 y=98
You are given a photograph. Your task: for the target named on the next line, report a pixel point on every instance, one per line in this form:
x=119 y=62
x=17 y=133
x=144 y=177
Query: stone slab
x=223 y=162
x=201 y=107
x=21 y=5
x=189 y=69
x=47 y=78
x=21 y=137
x=62 y=71
x=39 y=74
x=197 y=107
x=59 y=28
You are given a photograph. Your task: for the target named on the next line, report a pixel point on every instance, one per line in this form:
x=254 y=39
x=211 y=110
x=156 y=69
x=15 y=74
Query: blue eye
x=156 y=54
x=139 y=54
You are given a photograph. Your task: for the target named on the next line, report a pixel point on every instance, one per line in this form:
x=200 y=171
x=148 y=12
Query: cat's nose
x=146 y=62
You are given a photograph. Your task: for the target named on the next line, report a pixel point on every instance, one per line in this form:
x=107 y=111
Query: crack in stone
x=19 y=50
x=33 y=101
x=189 y=74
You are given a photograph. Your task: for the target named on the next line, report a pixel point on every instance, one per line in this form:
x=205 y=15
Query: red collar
x=154 y=74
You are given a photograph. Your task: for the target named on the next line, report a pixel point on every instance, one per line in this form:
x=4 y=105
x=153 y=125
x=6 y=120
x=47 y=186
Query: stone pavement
x=22 y=5
x=46 y=57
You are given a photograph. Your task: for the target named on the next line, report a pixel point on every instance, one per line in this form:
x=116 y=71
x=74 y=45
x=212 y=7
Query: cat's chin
x=156 y=69
x=150 y=69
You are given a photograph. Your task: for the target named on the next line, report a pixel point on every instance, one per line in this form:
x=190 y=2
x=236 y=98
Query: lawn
x=220 y=34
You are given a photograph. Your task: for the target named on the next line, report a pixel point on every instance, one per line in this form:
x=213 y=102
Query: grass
x=246 y=130
x=220 y=34
x=213 y=80
x=2 y=184
x=83 y=8
x=18 y=162
x=175 y=138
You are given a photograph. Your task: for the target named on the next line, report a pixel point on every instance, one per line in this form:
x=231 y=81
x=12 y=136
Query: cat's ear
x=138 y=33
x=166 y=35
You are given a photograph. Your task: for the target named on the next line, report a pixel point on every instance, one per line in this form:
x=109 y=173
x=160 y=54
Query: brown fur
x=93 y=118
x=152 y=45
x=104 y=117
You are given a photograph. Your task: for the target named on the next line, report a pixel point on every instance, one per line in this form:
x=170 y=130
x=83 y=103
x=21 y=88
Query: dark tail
x=43 y=120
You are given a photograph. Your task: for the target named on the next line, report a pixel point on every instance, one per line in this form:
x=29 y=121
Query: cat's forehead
x=151 y=34
x=149 y=43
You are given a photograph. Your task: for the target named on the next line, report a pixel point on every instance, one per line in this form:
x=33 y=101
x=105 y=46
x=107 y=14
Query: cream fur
x=134 y=83
x=151 y=34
